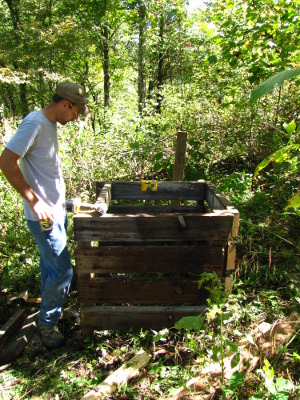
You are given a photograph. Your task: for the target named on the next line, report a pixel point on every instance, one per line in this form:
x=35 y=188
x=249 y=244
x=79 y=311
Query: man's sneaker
x=51 y=336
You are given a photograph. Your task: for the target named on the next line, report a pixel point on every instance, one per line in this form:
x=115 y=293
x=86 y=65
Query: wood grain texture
x=150 y=259
x=123 y=317
x=218 y=202
x=137 y=291
x=152 y=227
x=124 y=190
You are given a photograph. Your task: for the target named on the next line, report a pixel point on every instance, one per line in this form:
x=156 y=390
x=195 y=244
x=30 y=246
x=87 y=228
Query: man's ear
x=65 y=103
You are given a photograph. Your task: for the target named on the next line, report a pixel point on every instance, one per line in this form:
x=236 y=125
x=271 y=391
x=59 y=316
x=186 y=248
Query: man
x=30 y=163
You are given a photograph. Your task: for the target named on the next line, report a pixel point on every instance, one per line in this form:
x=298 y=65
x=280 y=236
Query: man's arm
x=10 y=168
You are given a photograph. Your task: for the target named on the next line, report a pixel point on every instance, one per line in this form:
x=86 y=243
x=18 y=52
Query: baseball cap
x=75 y=94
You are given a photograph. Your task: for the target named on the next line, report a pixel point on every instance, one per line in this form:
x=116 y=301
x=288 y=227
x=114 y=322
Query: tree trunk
x=105 y=61
x=14 y=12
x=160 y=76
x=106 y=67
x=23 y=98
x=141 y=58
x=15 y=18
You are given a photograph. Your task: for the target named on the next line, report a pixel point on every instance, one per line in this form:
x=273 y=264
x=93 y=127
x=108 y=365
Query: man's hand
x=42 y=210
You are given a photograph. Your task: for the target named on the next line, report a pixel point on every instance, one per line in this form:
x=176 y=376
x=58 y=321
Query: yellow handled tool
x=149 y=184
x=76 y=205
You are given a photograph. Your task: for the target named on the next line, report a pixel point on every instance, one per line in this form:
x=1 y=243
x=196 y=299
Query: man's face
x=69 y=112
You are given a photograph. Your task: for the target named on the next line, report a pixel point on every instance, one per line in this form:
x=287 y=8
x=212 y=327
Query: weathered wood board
x=11 y=326
x=126 y=317
x=152 y=227
x=18 y=338
x=165 y=191
x=150 y=259
x=120 y=377
x=138 y=291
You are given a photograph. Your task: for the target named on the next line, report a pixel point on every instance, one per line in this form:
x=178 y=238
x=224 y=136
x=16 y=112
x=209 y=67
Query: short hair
x=56 y=98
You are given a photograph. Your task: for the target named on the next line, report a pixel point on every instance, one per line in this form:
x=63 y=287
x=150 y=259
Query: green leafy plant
x=277 y=388
x=278 y=157
x=286 y=152
x=269 y=84
x=216 y=311
x=234 y=383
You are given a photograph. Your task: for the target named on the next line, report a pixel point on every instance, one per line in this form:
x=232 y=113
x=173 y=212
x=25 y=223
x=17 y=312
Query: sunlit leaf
x=284 y=384
x=294 y=201
x=290 y=127
x=275 y=80
x=212 y=313
x=162 y=334
x=278 y=156
x=190 y=323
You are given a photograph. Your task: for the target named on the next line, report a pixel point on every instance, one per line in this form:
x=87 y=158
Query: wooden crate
x=139 y=264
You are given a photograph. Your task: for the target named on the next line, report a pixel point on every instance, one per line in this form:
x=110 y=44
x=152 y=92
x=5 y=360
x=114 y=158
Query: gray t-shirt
x=37 y=145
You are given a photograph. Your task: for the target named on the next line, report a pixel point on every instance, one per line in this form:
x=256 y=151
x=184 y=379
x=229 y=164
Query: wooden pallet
x=139 y=265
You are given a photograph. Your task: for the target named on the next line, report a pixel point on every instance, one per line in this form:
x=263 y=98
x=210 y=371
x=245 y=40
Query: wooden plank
x=120 y=377
x=150 y=259
x=152 y=228
x=13 y=350
x=231 y=254
x=19 y=297
x=18 y=340
x=135 y=317
x=135 y=291
x=125 y=190
x=11 y=326
x=34 y=300
x=180 y=156
x=16 y=347
x=228 y=284
x=216 y=200
x=83 y=244
x=218 y=203
x=156 y=209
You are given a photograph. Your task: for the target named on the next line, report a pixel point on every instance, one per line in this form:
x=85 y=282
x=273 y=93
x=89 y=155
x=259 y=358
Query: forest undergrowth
x=266 y=290
x=194 y=72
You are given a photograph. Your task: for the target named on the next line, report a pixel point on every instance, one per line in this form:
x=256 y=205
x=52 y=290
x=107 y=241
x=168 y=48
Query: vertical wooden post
x=179 y=160
x=230 y=266
x=180 y=156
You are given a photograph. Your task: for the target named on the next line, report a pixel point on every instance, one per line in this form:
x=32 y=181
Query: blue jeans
x=56 y=269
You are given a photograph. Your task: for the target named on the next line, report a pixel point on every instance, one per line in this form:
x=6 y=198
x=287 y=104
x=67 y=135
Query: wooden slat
x=152 y=228
x=231 y=254
x=218 y=203
x=19 y=340
x=228 y=283
x=148 y=317
x=216 y=200
x=171 y=291
x=120 y=377
x=156 y=209
x=11 y=326
x=124 y=190
x=150 y=259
